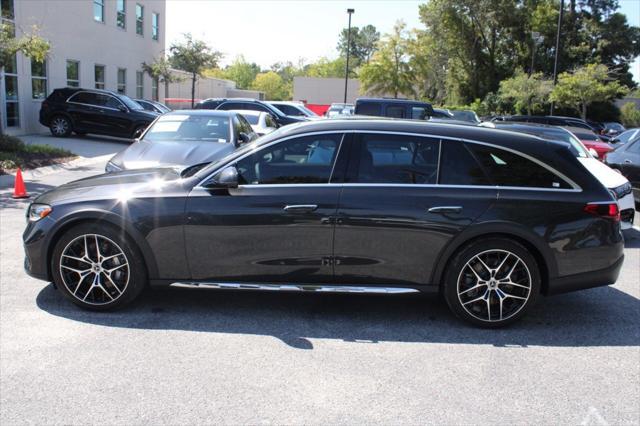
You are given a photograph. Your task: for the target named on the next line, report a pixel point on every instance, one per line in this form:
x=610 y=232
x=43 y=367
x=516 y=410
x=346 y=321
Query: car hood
x=145 y=154
x=605 y=174
x=118 y=186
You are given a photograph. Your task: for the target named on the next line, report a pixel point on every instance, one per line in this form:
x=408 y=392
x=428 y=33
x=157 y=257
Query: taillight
x=608 y=210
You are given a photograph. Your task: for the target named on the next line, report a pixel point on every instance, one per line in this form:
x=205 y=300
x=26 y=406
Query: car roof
x=246 y=111
x=445 y=129
x=391 y=100
x=231 y=99
x=524 y=125
x=80 y=89
x=578 y=129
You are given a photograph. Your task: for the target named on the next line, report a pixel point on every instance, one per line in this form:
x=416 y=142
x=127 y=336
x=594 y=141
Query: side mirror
x=123 y=108
x=227 y=178
x=593 y=152
x=244 y=138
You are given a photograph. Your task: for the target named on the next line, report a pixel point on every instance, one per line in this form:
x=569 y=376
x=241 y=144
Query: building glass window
x=99 y=76
x=139 y=19
x=38 y=79
x=154 y=89
x=73 y=73
x=98 y=10
x=12 y=110
x=139 y=85
x=122 y=81
x=121 y=14
x=155 y=26
x=6 y=8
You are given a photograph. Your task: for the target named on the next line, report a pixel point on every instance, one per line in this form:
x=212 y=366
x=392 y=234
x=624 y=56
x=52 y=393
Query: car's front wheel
x=97 y=267
x=60 y=126
x=492 y=282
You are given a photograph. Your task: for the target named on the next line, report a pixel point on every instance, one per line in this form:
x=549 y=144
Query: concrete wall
x=74 y=34
x=324 y=90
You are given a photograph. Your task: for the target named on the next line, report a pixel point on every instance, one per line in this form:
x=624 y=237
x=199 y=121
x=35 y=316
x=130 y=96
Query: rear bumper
x=586 y=280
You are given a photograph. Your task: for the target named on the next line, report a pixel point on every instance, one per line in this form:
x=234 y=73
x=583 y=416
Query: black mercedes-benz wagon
x=489 y=218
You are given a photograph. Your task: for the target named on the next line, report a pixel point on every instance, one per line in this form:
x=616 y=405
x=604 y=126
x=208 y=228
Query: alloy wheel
x=60 y=126
x=94 y=269
x=494 y=285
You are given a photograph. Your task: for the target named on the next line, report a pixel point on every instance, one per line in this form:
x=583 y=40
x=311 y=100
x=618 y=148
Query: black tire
x=500 y=301
x=139 y=130
x=60 y=126
x=127 y=275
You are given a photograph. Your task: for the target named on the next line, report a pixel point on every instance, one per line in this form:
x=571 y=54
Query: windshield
x=308 y=111
x=466 y=116
x=185 y=127
x=251 y=118
x=130 y=103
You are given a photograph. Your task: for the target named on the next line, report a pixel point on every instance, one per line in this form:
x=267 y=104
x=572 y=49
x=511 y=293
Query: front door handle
x=445 y=209
x=300 y=208
x=628 y=161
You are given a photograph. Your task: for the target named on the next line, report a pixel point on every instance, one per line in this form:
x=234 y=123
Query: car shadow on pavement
x=598 y=317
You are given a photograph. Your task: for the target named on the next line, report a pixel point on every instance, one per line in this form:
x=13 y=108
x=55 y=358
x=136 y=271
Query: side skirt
x=297 y=287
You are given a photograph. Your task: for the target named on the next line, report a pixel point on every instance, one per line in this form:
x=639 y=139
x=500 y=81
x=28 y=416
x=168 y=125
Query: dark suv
x=395 y=108
x=249 y=104
x=492 y=219
x=93 y=111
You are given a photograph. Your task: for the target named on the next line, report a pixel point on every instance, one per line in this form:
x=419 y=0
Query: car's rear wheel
x=492 y=282
x=97 y=268
x=60 y=126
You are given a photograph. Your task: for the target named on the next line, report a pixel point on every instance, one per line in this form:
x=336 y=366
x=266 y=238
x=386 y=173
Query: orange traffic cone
x=20 y=191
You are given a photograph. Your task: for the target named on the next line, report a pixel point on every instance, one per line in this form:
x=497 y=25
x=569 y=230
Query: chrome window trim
x=575 y=187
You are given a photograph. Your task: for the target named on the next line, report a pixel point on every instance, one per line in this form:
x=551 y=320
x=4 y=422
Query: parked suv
x=249 y=104
x=93 y=111
x=396 y=108
x=490 y=218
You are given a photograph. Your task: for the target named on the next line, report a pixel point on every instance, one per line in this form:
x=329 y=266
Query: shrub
x=11 y=144
x=630 y=115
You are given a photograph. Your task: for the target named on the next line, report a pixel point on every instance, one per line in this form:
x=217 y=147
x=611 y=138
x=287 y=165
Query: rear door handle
x=445 y=209
x=628 y=161
x=300 y=208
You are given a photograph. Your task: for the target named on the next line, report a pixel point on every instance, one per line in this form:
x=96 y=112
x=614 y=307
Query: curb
x=8 y=180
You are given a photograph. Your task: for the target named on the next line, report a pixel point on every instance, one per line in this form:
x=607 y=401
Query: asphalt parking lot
x=198 y=356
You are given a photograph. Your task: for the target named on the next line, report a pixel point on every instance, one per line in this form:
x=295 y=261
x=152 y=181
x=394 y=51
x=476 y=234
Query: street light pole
x=555 y=62
x=346 y=73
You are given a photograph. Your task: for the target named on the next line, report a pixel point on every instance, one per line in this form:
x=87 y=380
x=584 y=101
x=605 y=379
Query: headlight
x=112 y=167
x=38 y=211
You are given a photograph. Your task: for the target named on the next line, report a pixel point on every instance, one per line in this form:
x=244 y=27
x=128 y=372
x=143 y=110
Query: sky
x=270 y=31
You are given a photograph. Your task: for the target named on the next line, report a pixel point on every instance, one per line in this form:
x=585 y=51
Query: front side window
x=397 y=159
x=73 y=73
x=87 y=98
x=510 y=169
x=155 y=26
x=139 y=85
x=98 y=10
x=122 y=81
x=38 y=79
x=139 y=19
x=307 y=159
x=121 y=14
x=99 y=76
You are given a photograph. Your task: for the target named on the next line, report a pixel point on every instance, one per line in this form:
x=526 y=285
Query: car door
x=394 y=220
x=116 y=116
x=85 y=111
x=276 y=227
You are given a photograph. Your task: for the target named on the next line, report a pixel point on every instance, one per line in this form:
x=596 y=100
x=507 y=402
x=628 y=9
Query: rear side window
x=397 y=159
x=395 y=111
x=368 y=108
x=509 y=169
x=458 y=167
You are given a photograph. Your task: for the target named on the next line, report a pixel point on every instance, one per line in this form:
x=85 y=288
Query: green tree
x=528 y=92
x=30 y=44
x=630 y=115
x=326 y=68
x=193 y=56
x=160 y=69
x=388 y=71
x=363 y=44
x=272 y=85
x=242 y=72
x=585 y=85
